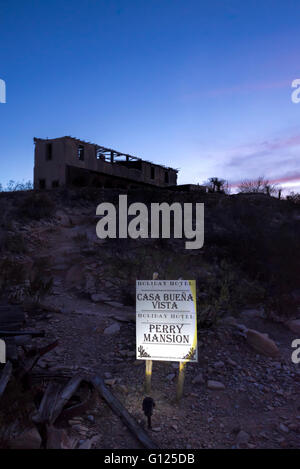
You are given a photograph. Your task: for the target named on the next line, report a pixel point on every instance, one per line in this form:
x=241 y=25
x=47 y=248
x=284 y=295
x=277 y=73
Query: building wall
x=49 y=170
x=65 y=154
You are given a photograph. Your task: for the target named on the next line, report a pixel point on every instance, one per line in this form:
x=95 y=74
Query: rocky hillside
x=81 y=291
x=248 y=259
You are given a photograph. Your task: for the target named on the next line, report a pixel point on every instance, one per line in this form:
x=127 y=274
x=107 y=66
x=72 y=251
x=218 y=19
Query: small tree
x=294 y=197
x=13 y=186
x=259 y=186
x=218 y=185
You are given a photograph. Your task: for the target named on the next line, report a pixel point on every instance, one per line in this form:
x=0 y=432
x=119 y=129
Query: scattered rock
x=231 y=362
x=294 y=427
x=215 y=385
x=123 y=388
x=170 y=377
x=110 y=382
x=219 y=364
x=99 y=297
x=242 y=328
x=74 y=275
x=294 y=325
x=87 y=444
x=112 y=329
x=198 y=379
x=262 y=343
x=251 y=314
x=138 y=362
x=127 y=318
x=242 y=438
x=228 y=320
x=283 y=428
x=28 y=439
x=58 y=438
x=115 y=304
x=81 y=429
x=63 y=218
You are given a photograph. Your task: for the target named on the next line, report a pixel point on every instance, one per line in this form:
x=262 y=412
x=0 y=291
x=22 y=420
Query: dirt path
x=260 y=398
x=258 y=407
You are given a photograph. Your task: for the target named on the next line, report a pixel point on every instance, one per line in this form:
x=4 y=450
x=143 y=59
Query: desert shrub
x=260 y=236
x=12 y=242
x=80 y=238
x=225 y=290
x=260 y=185
x=280 y=305
x=125 y=261
x=294 y=198
x=39 y=287
x=19 y=285
x=16 y=409
x=35 y=206
x=219 y=185
x=11 y=273
x=40 y=282
x=13 y=186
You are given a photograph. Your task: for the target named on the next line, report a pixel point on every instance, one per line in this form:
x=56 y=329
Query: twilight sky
x=203 y=86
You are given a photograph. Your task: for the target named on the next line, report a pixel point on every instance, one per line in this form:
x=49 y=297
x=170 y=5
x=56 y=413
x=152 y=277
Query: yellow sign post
x=180 y=381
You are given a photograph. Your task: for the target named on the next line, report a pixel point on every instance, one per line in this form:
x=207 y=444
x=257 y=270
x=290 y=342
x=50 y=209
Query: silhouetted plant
x=36 y=206
x=13 y=186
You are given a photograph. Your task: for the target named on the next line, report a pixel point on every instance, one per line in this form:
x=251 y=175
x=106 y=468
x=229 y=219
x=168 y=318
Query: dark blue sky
x=204 y=86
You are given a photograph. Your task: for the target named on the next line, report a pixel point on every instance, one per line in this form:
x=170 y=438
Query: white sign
x=166 y=320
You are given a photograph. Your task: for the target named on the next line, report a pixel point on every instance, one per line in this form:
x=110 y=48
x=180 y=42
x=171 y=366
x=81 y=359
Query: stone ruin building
x=67 y=161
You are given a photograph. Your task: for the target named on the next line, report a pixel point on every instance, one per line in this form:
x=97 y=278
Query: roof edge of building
x=36 y=139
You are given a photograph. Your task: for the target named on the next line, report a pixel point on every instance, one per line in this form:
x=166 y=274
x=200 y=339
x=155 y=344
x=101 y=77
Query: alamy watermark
x=296 y=353
x=138 y=227
x=2 y=91
x=2 y=351
x=295 y=96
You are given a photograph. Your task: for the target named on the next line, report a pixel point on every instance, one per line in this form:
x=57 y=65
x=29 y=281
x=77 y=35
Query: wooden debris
x=48 y=403
x=65 y=396
x=54 y=374
x=124 y=415
x=5 y=377
x=28 y=439
x=11 y=317
x=87 y=444
x=55 y=398
x=17 y=333
x=79 y=409
x=34 y=357
x=58 y=438
x=11 y=350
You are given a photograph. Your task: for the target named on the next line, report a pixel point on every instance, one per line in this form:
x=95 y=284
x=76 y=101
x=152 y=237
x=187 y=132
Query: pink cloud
x=267 y=149
x=289 y=178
